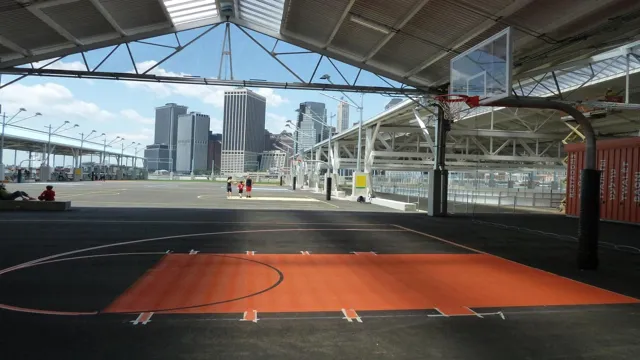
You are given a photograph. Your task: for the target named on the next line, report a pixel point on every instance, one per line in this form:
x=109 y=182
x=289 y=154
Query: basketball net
x=454 y=106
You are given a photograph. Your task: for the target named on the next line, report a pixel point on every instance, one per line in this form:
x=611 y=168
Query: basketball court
x=164 y=282
x=178 y=270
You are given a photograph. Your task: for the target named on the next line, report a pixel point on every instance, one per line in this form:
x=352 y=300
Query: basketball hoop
x=455 y=104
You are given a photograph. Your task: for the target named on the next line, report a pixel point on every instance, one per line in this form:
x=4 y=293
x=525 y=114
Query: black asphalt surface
x=88 y=284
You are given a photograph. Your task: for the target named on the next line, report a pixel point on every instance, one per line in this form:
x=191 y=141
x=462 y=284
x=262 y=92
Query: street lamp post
x=6 y=122
x=50 y=133
x=104 y=151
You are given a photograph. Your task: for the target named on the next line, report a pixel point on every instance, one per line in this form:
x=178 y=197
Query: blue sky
x=126 y=109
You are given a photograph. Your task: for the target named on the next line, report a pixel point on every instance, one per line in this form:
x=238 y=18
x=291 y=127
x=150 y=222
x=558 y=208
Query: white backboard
x=484 y=70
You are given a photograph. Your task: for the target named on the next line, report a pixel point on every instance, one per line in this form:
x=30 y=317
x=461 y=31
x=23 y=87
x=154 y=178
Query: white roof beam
x=398 y=25
x=110 y=18
x=36 y=10
x=582 y=63
x=339 y=23
x=13 y=46
x=484 y=26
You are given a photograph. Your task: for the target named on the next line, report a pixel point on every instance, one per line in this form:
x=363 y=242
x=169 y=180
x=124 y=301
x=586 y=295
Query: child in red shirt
x=48 y=195
x=240 y=188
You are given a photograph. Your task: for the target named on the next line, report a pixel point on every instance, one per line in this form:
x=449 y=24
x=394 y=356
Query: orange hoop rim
x=452 y=98
x=472 y=101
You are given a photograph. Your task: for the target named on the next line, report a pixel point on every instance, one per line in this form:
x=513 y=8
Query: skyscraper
x=309 y=131
x=166 y=128
x=343 y=116
x=242 y=131
x=215 y=151
x=192 y=142
x=392 y=103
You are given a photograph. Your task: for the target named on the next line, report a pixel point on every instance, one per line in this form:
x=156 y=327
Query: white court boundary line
x=181 y=222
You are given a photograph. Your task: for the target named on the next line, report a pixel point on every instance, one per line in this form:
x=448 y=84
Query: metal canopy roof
x=411 y=41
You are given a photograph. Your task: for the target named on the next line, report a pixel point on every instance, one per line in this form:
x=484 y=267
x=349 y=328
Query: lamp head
x=38 y=114
x=22 y=109
x=325 y=77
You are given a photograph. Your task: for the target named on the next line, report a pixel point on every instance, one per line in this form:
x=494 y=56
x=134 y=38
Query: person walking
x=248 y=183
x=229 y=186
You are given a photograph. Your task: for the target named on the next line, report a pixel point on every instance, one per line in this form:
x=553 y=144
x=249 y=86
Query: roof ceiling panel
x=404 y=52
x=131 y=14
x=266 y=12
x=314 y=19
x=26 y=30
x=383 y=11
x=356 y=39
x=79 y=18
x=443 y=22
x=4 y=51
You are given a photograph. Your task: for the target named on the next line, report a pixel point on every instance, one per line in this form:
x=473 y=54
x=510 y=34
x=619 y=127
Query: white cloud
x=273 y=99
x=212 y=95
x=133 y=115
x=145 y=136
x=275 y=123
x=61 y=65
x=215 y=125
x=52 y=99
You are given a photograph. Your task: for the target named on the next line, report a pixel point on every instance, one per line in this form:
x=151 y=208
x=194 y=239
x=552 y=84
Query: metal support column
x=439 y=176
x=589 y=192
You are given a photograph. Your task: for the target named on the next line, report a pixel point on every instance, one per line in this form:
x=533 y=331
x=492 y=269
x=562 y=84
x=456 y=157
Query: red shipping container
x=619 y=163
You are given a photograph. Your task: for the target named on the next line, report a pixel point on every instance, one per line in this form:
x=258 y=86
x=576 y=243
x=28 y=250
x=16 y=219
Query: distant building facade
x=309 y=131
x=392 y=103
x=192 y=142
x=343 y=116
x=272 y=161
x=214 y=152
x=166 y=128
x=242 y=131
x=157 y=157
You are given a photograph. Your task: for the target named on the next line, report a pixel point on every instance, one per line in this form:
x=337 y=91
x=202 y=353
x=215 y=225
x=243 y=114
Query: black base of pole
x=281 y=180
x=328 y=189
x=589 y=220
x=294 y=182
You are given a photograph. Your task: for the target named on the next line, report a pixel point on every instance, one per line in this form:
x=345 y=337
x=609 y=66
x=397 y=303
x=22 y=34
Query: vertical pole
x=626 y=91
x=193 y=145
x=4 y=123
x=360 y=133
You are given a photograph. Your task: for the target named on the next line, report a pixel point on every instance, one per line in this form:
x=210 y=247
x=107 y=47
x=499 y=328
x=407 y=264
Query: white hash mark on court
x=143 y=318
x=193 y=252
x=305 y=252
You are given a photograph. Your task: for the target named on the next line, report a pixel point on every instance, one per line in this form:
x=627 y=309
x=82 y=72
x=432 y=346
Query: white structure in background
x=274 y=159
x=242 y=131
x=192 y=143
x=343 y=116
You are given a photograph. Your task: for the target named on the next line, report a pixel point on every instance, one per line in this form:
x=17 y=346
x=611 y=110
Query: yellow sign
x=361 y=181
x=77 y=171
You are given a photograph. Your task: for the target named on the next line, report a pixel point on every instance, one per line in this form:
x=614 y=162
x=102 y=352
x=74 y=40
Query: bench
x=35 y=205
x=398 y=205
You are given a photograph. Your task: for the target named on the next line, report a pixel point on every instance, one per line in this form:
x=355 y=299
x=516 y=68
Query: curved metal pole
x=590 y=178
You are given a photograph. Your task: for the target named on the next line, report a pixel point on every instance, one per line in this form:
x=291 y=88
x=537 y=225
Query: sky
x=127 y=109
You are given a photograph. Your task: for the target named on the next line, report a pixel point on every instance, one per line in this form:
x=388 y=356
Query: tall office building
x=242 y=131
x=392 y=103
x=343 y=116
x=192 y=142
x=156 y=157
x=166 y=128
x=309 y=131
x=215 y=151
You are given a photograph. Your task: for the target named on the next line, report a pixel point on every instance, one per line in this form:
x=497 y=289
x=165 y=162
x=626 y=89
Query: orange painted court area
x=182 y=283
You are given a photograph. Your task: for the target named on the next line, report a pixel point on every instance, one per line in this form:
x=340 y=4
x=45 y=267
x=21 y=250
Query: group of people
x=47 y=195
x=242 y=186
